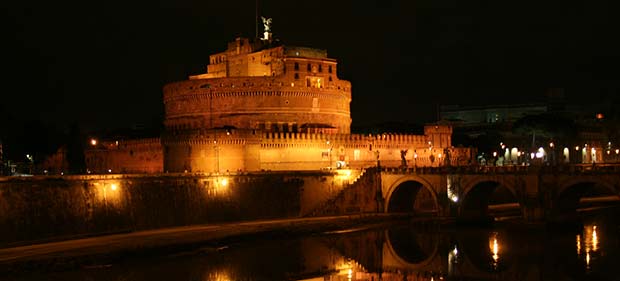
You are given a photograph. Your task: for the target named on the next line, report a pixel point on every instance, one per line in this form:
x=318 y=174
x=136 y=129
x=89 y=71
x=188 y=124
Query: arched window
x=296 y=66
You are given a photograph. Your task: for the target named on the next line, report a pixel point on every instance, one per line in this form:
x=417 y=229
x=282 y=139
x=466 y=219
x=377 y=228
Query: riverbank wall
x=43 y=209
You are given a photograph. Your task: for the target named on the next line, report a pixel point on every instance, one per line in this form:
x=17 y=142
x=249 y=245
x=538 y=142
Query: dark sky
x=103 y=63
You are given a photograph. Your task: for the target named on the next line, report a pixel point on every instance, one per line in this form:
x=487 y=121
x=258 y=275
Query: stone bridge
x=535 y=192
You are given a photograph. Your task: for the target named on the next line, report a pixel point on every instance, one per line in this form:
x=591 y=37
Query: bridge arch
x=568 y=197
x=405 y=248
x=403 y=195
x=482 y=196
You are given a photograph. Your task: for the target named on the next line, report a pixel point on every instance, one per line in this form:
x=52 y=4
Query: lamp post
x=329 y=155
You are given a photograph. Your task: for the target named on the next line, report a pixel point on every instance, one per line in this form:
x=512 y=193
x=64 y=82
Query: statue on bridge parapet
x=403 y=159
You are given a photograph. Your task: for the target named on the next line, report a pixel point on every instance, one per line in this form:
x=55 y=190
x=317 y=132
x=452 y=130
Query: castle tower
x=254 y=86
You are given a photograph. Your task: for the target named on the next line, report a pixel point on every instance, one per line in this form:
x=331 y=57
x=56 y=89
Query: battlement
x=346 y=140
x=244 y=86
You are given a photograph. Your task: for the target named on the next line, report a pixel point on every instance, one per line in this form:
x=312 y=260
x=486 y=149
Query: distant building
x=590 y=144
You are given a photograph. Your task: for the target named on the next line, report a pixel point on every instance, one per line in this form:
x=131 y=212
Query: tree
x=547 y=127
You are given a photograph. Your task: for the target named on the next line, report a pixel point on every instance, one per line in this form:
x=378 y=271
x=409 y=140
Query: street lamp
x=329 y=155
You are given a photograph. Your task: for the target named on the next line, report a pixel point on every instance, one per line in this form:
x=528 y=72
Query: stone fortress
x=262 y=106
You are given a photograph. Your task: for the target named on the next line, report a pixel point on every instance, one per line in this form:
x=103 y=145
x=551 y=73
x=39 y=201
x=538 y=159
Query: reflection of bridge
x=405 y=254
x=539 y=192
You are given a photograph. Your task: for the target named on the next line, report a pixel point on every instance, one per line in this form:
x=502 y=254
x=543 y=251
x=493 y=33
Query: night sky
x=102 y=64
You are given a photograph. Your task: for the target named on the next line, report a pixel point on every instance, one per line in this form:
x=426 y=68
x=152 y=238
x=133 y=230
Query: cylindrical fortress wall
x=256 y=103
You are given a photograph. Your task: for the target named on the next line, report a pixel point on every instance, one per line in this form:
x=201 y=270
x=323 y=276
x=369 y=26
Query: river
x=589 y=250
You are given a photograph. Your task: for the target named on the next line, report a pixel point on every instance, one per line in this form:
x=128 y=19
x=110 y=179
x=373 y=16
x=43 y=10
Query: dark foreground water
x=400 y=252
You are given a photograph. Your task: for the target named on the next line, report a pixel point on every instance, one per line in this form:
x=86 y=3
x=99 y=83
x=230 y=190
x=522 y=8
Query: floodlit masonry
x=262 y=105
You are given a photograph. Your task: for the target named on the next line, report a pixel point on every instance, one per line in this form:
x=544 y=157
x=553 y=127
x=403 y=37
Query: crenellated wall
x=252 y=150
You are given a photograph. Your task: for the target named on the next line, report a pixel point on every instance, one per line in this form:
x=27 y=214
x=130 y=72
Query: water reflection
x=590 y=243
x=397 y=253
x=494 y=246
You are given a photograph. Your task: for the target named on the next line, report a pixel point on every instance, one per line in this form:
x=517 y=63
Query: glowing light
x=93 y=142
x=224 y=182
x=594 y=239
x=551 y=144
x=495 y=250
x=578 y=244
x=494 y=247
x=494 y=154
x=532 y=155
x=577 y=148
x=415 y=155
x=617 y=151
x=439 y=155
x=109 y=170
x=113 y=186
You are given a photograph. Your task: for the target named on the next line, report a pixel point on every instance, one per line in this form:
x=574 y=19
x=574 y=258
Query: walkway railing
x=514 y=169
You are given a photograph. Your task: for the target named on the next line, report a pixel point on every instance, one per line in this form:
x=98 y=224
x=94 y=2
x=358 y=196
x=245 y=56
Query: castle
x=262 y=105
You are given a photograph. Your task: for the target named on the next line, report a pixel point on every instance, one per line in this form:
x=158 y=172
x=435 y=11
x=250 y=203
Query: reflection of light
x=495 y=250
x=594 y=239
x=452 y=259
x=218 y=276
x=590 y=241
x=494 y=247
x=350 y=274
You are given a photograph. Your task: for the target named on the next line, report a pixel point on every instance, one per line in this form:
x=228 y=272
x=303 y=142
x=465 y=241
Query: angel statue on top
x=267 y=27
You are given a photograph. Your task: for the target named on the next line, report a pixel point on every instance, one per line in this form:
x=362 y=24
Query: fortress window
x=296 y=75
x=309 y=67
x=320 y=68
x=329 y=69
x=330 y=79
x=296 y=66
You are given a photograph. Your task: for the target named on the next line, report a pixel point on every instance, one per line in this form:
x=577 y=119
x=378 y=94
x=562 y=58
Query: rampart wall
x=251 y=150
x=126 y=156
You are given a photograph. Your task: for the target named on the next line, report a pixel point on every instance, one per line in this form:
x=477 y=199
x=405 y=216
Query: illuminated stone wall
x=125 y=156
x=265 y=103
x=44 y=207
x=210 y=151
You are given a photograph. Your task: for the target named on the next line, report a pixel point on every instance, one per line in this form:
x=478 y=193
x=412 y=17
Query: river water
x=587 y=251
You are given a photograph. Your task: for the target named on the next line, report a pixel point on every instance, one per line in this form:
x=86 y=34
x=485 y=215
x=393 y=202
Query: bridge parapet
x=562 y=169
